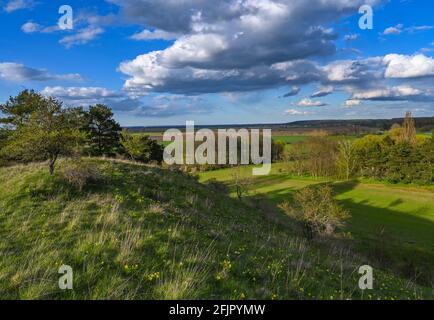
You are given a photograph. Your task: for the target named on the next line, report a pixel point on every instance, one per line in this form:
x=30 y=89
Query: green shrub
x=241 y=183
x=317 y=211
x=79 y=173
x=277 y=150
x=142 y=148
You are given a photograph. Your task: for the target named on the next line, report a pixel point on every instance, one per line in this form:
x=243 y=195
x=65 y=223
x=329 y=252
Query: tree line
x=398 y=156
x=38 y=128
x=34 y=127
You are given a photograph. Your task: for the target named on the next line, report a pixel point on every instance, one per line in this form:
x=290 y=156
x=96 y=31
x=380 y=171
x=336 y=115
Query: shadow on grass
x=264 y=181
x=390 y=239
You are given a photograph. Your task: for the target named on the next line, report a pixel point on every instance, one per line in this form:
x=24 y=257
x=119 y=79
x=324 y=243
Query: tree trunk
x=52 y=164
x=51 y=167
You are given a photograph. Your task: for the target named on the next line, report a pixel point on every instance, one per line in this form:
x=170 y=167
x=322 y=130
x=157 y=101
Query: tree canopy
x=43 y=131
x=103 y=131
x=141 y=147
x=18 y=110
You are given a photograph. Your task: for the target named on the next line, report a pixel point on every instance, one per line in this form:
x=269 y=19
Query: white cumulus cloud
x=30 y=27
x=80 y=93
x=230 y=46
x=322 y=92
x=306 y=102
x=396 y=93
x=17 y=72
x=83 y=36
x=393 y=30
x=294 y=112
x=404 y=66
x=352 y=103
x=155 y=35
x=14 y=5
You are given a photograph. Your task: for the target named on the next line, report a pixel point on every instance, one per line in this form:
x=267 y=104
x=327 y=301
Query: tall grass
x=148 y=233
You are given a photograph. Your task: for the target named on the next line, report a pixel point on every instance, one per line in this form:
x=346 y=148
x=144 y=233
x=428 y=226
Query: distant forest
x=423 y=124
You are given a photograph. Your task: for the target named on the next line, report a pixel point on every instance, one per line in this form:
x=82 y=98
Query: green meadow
x=290 y=139
x=393 y=222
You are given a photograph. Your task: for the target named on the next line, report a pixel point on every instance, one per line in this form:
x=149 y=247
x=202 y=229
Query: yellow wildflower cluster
x=130 y=268
x=152 y=276
x=226 y=267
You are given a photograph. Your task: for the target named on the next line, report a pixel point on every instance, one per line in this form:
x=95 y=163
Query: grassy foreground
x=148 y=233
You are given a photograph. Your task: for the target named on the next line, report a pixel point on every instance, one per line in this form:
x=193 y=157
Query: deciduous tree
x=346 y=159
x=141 y=147
x=47 y=133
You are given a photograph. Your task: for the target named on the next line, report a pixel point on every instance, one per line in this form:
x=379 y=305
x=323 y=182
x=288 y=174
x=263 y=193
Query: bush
x=142 y=148
x=241 y=183
x=277 y=150
x=317 y=211
x=79 y=173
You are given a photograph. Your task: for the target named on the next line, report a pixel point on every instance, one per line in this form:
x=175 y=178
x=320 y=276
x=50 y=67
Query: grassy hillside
x=148 y=233
x=397 y=220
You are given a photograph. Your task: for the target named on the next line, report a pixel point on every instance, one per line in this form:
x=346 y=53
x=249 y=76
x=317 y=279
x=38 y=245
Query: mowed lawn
x=398 y=217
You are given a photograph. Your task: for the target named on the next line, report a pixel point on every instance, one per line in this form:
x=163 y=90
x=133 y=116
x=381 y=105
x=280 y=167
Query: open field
x=146 y=233
x=288 y=137
x=398 y=220
x=284 y=136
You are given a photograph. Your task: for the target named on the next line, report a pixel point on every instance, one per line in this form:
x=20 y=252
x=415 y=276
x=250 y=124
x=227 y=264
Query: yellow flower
x=153 y=276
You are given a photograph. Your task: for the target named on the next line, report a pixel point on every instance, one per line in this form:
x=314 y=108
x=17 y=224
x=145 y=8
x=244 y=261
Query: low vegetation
x=80 y=173
x=317 y=211
x=142 y=148
x=148 y=233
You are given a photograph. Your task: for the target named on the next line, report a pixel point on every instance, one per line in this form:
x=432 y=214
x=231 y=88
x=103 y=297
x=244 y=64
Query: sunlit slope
x=148 y=233
x=399 y=217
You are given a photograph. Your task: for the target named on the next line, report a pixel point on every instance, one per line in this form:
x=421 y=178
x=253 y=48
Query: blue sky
x=166 y=62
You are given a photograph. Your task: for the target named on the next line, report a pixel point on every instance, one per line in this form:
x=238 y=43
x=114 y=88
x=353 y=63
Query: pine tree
x=103 y=131
x=18 y=110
